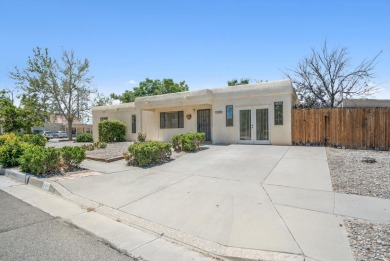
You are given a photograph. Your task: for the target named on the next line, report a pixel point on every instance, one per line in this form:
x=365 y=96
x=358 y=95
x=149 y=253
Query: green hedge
x=190 y=141
x=35 y=139
x=72 y=157
x=112 y=131
x=147 y=153
x=10 y=152
x=84 y=137
x=40 y=160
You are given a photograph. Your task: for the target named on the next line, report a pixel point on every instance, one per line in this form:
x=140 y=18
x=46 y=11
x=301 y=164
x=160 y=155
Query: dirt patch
x=351 y=175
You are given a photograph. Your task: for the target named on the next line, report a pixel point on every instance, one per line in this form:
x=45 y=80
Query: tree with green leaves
x=324 y=78
x=62 y=88
x=101 y=100
x=24 y=117
x=235 y=82
x=151 y=87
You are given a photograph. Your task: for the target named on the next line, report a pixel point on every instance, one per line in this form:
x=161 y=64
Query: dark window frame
x=103 y=118
x=164 y=116
x=230 y=120
x=133 y=123
x=278 y=113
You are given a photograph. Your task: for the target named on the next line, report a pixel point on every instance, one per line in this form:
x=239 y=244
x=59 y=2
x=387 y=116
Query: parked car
x=47 y=134
x=60 y=134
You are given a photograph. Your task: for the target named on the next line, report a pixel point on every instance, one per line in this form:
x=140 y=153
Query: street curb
x=104 y=160
x=181 y=238
x=27 y=179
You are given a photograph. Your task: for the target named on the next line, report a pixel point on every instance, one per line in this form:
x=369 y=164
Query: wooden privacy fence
x=354 y=128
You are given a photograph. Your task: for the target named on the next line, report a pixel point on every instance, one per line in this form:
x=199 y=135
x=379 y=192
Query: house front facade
x=253 y=114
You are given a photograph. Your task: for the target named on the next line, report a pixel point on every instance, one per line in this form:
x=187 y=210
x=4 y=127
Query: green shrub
x=147 y=153
x=35 y=139
x=190 y=141
x=100 y=145
x=40 y=160
x=141 y=137
x=88 y=147
x=84 y=137
x=112 y=131
x=72 y=157
x=10 y=152
x=9 y=136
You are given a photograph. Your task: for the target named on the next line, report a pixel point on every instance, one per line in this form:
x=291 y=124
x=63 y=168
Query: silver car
x=47 y=134
x=60 y=134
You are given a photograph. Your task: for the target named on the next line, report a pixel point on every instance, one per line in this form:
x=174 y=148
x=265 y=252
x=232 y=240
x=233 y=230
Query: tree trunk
x=70 y=122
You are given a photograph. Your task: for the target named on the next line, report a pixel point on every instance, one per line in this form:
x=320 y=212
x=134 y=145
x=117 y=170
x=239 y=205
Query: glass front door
x=254 y=126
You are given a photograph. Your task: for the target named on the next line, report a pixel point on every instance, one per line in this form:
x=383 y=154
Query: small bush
x=8 y=137
x=147 y=153
x=190 y=141
x=40 y=160
x=72 y=157
x=84 y=137
x=112 y=131
x=88 y=147
x=141 y=137
x=100 y=145
x=10 y=152
x=35 y=139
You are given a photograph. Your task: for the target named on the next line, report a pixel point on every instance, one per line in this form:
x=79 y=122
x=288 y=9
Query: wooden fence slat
x=357 y=128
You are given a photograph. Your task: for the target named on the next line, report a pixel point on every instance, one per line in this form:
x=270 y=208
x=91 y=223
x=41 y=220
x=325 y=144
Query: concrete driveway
x=272 y=198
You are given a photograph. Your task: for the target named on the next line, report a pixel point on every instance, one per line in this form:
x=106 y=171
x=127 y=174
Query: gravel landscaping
x=369 y=241
x=352 y=176
x=112 y=150
x=351 y=173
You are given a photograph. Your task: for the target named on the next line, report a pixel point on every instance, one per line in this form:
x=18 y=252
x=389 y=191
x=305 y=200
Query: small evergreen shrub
x=72 y=157
x=141 y=137
x=8 y=136
x=40 y=160
x=189 y=142
x=100 y=145
x=95 y=145
x=88 y=147
x=35 y=139
x=84 y=137
x=10 y=152
x=147 y=153
x=112 y=131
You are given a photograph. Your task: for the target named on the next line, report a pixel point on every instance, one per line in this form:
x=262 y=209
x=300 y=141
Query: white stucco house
x=255 y=114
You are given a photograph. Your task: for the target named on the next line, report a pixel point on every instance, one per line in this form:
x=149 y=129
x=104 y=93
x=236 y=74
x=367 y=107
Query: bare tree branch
x=324 y=77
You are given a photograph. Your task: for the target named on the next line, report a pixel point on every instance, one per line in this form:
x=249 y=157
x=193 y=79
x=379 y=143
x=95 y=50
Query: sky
x=204 y=42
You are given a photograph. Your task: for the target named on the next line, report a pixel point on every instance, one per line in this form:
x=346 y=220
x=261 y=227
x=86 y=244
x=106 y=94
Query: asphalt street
x=27 y=233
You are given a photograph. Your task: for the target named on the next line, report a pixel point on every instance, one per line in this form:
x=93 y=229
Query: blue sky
x=204 y=43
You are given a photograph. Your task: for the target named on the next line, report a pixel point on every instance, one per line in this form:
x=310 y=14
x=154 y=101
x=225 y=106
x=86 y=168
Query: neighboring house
x=365 y=103
x=255 y=113
x=59 y=123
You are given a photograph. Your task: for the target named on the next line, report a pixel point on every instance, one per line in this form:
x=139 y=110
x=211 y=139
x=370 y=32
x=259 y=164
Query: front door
x=254 y=126
x=204 y=120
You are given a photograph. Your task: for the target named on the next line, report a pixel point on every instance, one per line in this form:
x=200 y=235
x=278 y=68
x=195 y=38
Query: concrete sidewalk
x=134 y=242
x=254 y=202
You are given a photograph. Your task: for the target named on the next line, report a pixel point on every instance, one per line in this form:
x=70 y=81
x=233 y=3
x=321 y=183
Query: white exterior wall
x=148 y=109
x=279 y=134
x=117 y=112
x=151 y=123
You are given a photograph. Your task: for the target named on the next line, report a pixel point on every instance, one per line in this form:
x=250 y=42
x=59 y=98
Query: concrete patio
x=269 y=198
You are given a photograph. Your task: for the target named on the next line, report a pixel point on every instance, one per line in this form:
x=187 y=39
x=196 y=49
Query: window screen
x=133 y=124
x=229 y=115
x=278 y=113
x=172 y=120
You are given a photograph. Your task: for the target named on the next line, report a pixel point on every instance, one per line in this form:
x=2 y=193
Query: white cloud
x=132 y=82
